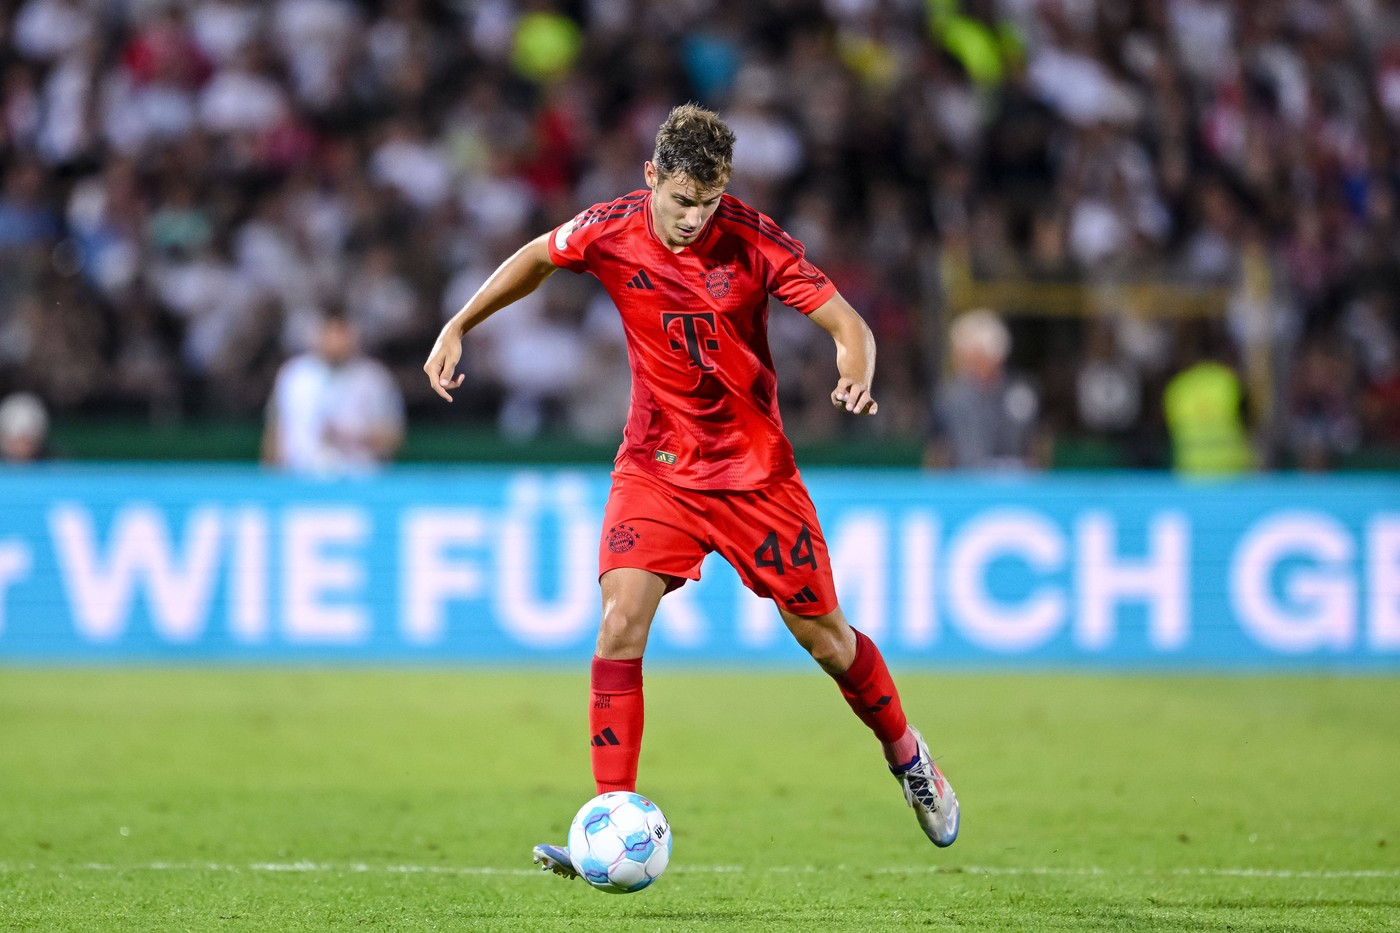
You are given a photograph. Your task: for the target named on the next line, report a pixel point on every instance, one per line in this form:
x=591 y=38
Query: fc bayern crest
x=717 y=282
x=622 y=538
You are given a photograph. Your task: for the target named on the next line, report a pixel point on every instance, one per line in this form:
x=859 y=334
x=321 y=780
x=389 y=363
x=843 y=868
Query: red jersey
x=704 y=411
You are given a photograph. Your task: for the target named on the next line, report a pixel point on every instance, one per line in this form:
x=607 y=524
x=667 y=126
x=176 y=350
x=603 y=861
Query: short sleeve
x=802 y=285
x=566 y=245
x=569 y=242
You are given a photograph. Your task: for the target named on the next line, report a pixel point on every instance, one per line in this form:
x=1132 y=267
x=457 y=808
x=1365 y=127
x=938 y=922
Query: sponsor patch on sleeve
x=561 y=236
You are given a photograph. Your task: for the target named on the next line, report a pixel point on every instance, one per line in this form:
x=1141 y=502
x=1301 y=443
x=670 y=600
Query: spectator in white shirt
x=333 y=411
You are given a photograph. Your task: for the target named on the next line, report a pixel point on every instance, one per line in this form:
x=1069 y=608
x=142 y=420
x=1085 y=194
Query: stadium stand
x=188 y=185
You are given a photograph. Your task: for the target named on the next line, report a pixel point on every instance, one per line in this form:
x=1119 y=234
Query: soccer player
x=704 y=464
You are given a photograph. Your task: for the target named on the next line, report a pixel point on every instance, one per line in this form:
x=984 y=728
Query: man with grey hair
x=984 y=419
x=24 y=429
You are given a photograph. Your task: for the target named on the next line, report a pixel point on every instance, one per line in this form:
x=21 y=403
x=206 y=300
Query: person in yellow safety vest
x=1204 y=413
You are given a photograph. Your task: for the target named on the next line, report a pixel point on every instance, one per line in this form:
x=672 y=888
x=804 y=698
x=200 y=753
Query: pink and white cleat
x=931 y=796
x=555 y=859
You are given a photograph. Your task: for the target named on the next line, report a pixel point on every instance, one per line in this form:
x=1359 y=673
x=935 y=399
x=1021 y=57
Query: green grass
x=401 y=800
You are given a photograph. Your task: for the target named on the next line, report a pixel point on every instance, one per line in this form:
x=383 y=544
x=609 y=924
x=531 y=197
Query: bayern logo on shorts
x=622 y=538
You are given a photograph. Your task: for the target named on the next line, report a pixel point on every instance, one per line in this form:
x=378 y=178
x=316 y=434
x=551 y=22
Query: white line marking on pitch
x=366 y=868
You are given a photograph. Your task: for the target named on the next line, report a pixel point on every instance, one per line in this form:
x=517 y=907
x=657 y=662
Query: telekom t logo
x=690 y=330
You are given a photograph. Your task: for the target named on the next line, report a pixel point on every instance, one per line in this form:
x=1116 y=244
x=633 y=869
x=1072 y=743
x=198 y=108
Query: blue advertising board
x=497 y=566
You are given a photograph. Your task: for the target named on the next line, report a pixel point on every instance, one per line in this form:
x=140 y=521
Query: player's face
x=337 y=343
x=680 y=208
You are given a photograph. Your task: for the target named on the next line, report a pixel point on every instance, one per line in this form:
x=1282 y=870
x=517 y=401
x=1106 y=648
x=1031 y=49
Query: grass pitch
x=408 y=800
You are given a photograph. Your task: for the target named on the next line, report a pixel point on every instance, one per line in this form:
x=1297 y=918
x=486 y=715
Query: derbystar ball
x=620 y=842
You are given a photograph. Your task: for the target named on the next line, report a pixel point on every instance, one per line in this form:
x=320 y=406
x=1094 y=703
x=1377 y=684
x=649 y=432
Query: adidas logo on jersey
x=641 y=280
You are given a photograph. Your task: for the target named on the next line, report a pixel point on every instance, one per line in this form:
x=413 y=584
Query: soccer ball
x=620 y=842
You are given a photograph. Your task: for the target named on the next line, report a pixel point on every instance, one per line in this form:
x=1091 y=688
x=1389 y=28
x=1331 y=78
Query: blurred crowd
x=191 y=187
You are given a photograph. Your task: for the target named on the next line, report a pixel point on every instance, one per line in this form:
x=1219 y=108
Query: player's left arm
x=855 y=355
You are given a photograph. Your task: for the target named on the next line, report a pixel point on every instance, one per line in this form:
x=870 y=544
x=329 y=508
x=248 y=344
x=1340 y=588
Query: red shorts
x=770 y=536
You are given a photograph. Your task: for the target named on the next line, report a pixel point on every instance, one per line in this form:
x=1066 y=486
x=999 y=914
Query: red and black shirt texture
x=704 y=412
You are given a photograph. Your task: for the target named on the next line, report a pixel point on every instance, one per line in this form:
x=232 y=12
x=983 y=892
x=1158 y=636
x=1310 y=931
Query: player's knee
x=622 y=633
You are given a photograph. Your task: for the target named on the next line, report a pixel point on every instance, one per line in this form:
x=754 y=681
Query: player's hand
x=854 y=397
x=442 y=363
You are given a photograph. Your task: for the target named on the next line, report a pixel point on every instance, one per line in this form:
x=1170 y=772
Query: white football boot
x=555 y=859
x=931 y=796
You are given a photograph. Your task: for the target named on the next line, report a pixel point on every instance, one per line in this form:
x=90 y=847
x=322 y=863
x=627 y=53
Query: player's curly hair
x=696 y=143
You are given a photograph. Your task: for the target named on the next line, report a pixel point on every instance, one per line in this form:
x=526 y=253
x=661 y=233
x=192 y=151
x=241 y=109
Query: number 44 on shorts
x=770 y=552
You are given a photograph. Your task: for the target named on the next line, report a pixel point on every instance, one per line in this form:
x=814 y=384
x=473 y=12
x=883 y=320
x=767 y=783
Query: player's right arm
x=515 y=278
x=271 y=447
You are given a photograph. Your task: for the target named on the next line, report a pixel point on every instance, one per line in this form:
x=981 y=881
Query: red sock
x=869 y=689
x=615 y=720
